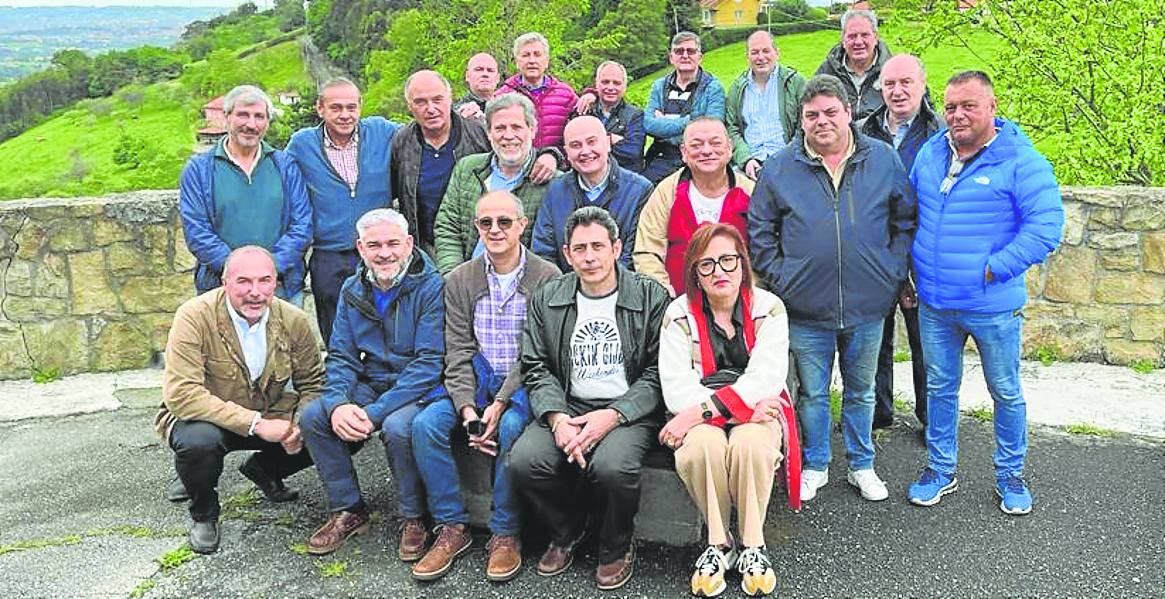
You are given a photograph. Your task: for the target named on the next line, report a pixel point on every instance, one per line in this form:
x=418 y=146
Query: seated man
x=596 y=180
x=485 y=306
x=384 y=363
x=594 y=391
x=229 y=357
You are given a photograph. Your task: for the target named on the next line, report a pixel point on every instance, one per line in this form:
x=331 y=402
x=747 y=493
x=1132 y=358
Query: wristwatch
x=707 y=415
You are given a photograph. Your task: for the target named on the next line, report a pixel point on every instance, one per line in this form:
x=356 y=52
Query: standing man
x=229 y=358
x=594 y=392
x=595 y=180
x=425 y=150
x=706 y=190
x=829 y=228
x=508 y=166
x=485 y=306
x=552 y=98
x=345 y=163
x=676 y=99
x=482 y=77
x=244 y=192
x=623 y=121
x=763 y=107
x=857 y=61
x=989 y=208
x=384 y=365
x=905 y=121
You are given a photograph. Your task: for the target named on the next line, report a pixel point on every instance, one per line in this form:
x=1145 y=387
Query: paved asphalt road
x=81 y=514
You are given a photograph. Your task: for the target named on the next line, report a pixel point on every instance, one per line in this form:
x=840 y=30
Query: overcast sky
x=260 y=3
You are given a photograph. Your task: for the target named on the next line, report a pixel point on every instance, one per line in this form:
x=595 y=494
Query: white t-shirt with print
x=596 y=351
x=707 y=209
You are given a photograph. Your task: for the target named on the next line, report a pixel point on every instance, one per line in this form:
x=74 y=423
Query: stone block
x=184 y=261
x=1113 y=241
x=1113 y=197
x=72 y=208
x=1124 y=259
x=1103 y=219
x=1124 y=351
x=1154 y=252
x=1074 y=219
x=1071 y=272
x=121 y=346
x=32 y=309
x=107 y=231
x=157 y=328
x=52 y=277
x=17 y=277
x=1130 y=288
x=1034 y=280
x=91 y=291
x=126 y=259
x=30 y=240
x=62 y=344
x=14 y=362
x=7 y=245
x=1144 y=210
x=142 y=295
x=154 y=209
x=156 y=241
x=1071 y=338
x=666 y=512
x=70 y=235
x=1148 y=324
x=1113 y=320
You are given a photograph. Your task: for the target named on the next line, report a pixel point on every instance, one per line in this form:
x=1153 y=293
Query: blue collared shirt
x=900 y=132
x=593 y=193
x=499 y=181
x=763 y=131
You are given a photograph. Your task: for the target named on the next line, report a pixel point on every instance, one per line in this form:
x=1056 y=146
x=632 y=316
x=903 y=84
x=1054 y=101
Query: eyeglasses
x=727 y=262
x=683 y=51
x=486 y=223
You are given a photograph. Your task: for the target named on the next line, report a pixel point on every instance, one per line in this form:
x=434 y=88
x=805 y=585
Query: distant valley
x=29 y=36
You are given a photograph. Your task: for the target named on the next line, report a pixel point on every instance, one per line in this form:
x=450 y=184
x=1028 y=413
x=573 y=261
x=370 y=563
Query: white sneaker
x=708 y=579
x=872 y=487
x=811 y=480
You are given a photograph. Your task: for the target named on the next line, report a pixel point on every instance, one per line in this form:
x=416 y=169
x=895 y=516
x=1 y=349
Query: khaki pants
x=722 y=470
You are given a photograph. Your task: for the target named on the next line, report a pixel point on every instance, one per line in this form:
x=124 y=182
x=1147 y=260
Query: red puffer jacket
x=552 y=103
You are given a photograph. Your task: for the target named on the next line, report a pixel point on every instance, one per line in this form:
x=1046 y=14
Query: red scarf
x=727 y=395
x=681 y=224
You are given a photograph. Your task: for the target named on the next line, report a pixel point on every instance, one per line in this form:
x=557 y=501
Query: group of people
x=769 y=229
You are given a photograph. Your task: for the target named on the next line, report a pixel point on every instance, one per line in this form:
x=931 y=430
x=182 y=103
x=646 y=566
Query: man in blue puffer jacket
x=384 y=365
x=989 y=208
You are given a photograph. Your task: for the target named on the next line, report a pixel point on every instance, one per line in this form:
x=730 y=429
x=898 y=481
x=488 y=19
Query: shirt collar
x=601 y=184
x=489 y=265
x=955 y=149
x=849 y=69
x=903 y=125
x=224 y=151
x=242 y=323
x=849 y=152
x=493 y=165
x=331 y=144
x=370 y=275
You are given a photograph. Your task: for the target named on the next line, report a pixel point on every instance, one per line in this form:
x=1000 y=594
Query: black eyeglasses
x=486 y=223
x=682 y=51
x=727 y=262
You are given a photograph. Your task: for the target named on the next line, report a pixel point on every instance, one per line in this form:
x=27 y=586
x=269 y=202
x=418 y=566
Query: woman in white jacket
x=723 y=360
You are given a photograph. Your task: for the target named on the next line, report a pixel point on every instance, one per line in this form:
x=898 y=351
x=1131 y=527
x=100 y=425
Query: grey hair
x=521 y=208
x=246 y=249
x=687 y=36
x=445 y=82
x=865 y=14
x=966 y=76
x=530 y=38
x=380 y=216
x=249 y=94
x=337 y=82
x=504 y=101
x=611 y=63
x=824 y=85
x=590 y=215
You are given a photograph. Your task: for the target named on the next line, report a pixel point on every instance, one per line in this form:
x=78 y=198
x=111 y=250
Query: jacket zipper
x=837 y=225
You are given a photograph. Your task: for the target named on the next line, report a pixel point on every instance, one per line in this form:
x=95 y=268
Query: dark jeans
x=541 y=474
x=663 y=159
x=328 y=271
x=884 y=379
x=199 y=448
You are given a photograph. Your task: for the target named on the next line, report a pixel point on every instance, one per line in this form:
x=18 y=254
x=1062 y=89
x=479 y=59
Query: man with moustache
x=345 y=165
x=830 y=227
x=482 y=77
x=596 y=179
x=384 y=365
x=508 y=166
x=623 y=121
x=245 y=192
x=763 y=106
x=857 y=61
x=425 y=150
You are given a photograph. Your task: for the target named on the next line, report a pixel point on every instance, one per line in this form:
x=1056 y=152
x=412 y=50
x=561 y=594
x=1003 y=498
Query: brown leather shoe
x=505 y=558
x=616 y=574
x=557 y=559
x=414 y=538
x=452 y=541
x=339 y=527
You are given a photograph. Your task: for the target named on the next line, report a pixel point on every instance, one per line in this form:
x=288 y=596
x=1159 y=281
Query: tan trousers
x=722 y=470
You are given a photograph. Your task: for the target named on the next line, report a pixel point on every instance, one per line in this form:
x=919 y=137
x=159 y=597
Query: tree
x=1084 y=79
x=642 y=34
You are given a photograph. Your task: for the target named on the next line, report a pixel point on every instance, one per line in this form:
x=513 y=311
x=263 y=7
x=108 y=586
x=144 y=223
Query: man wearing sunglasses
x=676 y=99
x=829 y=227
x=989 y=208
x=596 y=179
x=485 y=307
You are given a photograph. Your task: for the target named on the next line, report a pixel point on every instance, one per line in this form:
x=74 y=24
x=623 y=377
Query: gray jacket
x=867 y=99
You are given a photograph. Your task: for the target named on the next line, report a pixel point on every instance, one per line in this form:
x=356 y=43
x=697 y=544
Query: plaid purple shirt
x=344 y=159
x=498 y=318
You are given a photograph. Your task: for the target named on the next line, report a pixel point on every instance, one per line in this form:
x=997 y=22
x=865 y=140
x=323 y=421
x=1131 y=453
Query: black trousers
x=663 y=159
x=199 y=448
x=884 y=379
x=328 y=271
x=540 y=473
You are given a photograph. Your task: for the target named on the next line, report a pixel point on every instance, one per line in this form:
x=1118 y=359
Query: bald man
x=482 y=76
x=763 y=107
x=595 y=179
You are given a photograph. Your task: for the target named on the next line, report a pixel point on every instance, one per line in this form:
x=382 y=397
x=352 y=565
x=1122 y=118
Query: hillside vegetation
x=151 y=128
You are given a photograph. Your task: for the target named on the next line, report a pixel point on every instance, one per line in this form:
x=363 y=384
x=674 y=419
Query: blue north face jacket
x=1004 y=212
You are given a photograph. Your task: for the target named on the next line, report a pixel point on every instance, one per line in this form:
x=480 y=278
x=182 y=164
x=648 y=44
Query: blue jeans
x=997 y=335
x=813 y=352
x=333 y=456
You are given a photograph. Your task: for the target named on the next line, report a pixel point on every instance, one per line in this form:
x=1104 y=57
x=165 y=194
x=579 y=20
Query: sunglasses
x=486 y=223
x=727 y=262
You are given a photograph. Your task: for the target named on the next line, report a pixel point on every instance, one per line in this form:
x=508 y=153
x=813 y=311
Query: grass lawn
x=71 y=154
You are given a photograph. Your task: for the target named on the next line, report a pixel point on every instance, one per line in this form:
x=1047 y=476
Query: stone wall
x=89 y=284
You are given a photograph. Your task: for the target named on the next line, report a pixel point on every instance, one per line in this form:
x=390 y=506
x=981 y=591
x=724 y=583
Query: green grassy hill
x=72 y=154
